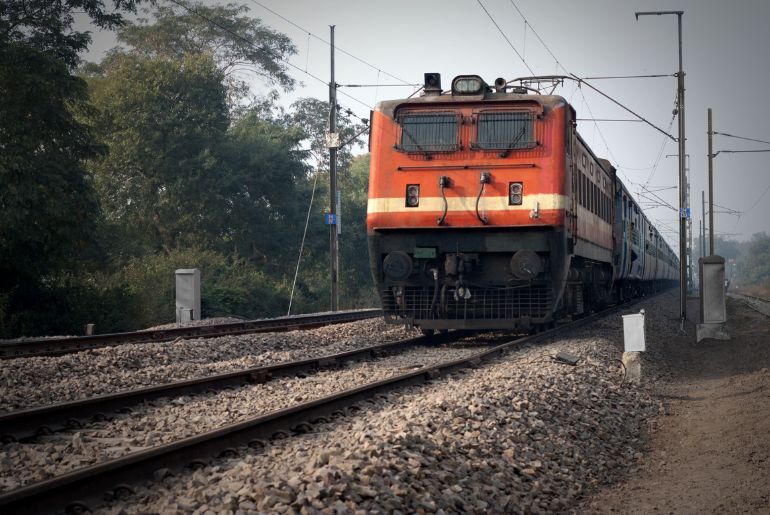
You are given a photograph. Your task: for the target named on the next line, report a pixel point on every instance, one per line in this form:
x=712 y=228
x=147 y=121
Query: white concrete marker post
x=188 y=294
x=634 y=345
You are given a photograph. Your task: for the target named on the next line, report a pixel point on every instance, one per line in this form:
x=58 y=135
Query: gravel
x=167 y=420
x=35 y=381
x=523 y=435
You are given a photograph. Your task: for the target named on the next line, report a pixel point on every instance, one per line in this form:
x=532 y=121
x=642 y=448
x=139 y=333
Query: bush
x=228 y=287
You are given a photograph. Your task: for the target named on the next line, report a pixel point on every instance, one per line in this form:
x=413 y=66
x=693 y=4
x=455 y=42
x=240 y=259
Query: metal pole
x=689 y=230
x=700 y=233
x=682 y=210
x=703 y=236
x=711 y=187
x=333 y=239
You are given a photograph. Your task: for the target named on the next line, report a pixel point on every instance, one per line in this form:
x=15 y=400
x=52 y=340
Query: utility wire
x=738 y=151
x=660 y=154
x=302 y=244
x=607 y=120
x=582 y=81
x=631 y=77
x=262 y=49
x=642 y=118
x=757 y=201
x=263 y=6
x=506 y=37
x=526 y=22
x=741 y=137
x=378 y=85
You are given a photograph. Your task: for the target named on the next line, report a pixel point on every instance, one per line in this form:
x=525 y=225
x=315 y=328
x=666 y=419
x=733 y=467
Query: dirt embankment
x=711 y=452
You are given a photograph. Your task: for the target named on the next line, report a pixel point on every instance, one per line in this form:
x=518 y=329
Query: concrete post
x=188 y=294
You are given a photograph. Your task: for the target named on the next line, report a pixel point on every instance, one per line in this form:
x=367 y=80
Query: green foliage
x=357 y=288
x=312 y=116
x=64 y=308
x=754 y=264
x=47 y=205
x=162 y=168
x=164 y=121
x=47 y=26
x=239 y=44
x=267 y=190
x=228 y=287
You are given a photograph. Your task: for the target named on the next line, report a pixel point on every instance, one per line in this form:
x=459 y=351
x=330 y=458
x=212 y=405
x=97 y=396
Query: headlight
x=412 y=195
x=467 y=85
x=515 y=193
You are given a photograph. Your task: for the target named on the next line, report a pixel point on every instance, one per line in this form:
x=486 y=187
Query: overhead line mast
x=682 y=166
x=334 y=262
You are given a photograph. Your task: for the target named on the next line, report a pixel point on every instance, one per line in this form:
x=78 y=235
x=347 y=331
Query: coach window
x=601 y=205
x=430 y=132
x=505 y=130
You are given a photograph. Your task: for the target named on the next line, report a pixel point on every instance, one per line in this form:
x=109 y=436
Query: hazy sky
x=726 y=61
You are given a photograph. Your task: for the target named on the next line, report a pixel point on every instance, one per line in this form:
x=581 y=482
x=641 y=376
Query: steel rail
x=76 y=489
x=758 y=304
x=28 y=423
x=66 y=345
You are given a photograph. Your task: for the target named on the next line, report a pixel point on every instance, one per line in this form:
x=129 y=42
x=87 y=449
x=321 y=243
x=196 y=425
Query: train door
x=623 y=221
x=574 y=174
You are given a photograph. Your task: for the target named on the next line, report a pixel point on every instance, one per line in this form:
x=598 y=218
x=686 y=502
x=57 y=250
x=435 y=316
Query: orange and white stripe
x=543 y=201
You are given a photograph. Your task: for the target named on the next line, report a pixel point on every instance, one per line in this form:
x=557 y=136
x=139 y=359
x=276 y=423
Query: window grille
x=508 y=130
x=433 y=132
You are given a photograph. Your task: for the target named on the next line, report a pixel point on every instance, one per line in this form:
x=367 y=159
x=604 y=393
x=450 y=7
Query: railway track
x=25 y=424
x=66 y=345
x=75 y=490
x=756 y=303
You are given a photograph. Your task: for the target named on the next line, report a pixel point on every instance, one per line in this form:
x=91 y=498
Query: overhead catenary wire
x=579 y=81
x=739 y=151
x=583 y=81
x=656 y=76
x=741 y=137
x=660 y=154
x=642 y=118
x=526 y=23
x=505 y=37
x=756 y=201
x=607 y=120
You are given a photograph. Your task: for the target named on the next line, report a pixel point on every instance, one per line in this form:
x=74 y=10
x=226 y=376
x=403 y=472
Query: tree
x=240 y=45
x=754 y=265
x=47 y=204
x=268 y=187
x=164 y=121
x=356 y=278
x=47 y=26
x=312 y=115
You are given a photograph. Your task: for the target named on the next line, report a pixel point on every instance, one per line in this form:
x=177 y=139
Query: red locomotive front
x=469 y=195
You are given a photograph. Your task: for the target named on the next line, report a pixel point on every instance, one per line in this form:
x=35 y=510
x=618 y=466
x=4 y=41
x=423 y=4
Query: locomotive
x=487 y=210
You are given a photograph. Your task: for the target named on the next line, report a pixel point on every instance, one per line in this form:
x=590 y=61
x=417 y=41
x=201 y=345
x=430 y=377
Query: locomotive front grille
x=532 y=302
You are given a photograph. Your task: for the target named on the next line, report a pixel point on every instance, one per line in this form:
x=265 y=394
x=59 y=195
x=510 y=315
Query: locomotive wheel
x=427 y=332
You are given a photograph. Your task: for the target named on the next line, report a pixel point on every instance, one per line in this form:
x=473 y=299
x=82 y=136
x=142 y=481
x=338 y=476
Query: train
x=487 y=210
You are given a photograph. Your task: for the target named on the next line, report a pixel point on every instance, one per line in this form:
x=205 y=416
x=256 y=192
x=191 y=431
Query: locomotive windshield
x=432 y=132
x=507 y=130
